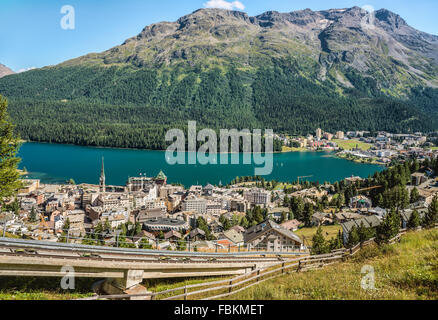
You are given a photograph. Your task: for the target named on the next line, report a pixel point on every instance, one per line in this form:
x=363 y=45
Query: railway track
x=14 y=247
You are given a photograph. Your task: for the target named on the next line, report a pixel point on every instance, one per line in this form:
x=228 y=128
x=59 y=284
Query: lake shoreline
x=156 y=150
x=52 y=163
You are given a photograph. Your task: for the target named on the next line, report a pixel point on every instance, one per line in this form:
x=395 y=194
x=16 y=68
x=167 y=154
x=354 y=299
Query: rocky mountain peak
x=5 y=71
x=390 y=18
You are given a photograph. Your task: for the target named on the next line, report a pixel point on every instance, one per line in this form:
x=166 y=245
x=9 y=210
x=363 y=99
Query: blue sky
x=31 y=33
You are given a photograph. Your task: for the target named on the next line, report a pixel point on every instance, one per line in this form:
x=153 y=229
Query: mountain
x=5 y=71
x=386 y=49
x=338 y=69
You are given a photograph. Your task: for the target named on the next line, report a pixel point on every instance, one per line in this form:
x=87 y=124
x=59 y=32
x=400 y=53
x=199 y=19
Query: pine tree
x=308 y=214
x=319 y=244
x=364 y=233
x=415 y=195
x=284 y=217
x=337 y=242
x=414 y=220
x=389 y=227
x=353 y=237
x=9 y=144
x=144 y=244
x=291 y=215
x=33 y=215
x=431 y=217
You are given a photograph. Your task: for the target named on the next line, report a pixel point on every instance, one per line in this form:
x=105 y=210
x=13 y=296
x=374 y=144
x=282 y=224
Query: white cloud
x=26 y=69
x=222 y=4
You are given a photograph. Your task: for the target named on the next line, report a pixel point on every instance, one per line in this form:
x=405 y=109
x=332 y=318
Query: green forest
x=126 y=106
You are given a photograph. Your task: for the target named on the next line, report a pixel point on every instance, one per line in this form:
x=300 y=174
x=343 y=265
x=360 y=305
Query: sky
x=37 y=33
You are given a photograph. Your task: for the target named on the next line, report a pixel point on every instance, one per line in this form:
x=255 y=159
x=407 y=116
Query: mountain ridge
x=5 y=71
x=338 y=69
x=387 y=49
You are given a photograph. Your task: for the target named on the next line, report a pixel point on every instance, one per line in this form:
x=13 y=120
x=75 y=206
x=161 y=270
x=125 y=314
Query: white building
x=196 y=204
x=257 y=196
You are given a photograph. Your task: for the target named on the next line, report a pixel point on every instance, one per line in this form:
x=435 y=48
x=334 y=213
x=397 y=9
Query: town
x=363 y=146
x=248 y=214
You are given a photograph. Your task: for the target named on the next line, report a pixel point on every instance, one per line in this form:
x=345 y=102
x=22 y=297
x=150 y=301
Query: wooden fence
x=224 y=288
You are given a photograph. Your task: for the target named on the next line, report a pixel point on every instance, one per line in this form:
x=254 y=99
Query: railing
x=103 y=240
x=232 y=286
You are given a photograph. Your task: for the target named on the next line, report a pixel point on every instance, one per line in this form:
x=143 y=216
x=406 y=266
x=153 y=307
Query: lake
x=55 y=163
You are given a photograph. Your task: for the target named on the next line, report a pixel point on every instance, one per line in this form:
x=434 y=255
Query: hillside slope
x=5 y=71
x=291 y=72
x=405 y=271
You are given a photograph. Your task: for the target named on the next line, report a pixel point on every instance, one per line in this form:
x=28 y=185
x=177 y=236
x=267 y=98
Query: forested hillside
x=288 y=72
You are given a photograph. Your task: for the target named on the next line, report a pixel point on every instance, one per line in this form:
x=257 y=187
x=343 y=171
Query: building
x=292 y=225
x=257 y=197
x=194 y=203
x=28 y=203
x=196 y=235
x=102 y=186
x=208 y=190
x=328 y=136
x=340 y=135
x=214 y=208
x=148 y=193
x=321 y=218
x=360 y=202
x=30 y=185
x=161 y=179
x=234 y=236
x=319 y=133
x=271 y=237
x=406 y=216
x=113 y=200
x=135 y=184
x=239 y=205
x=368 y=222
x=144 y=235
x=144 y=215
x=172 y=236
x=76 y=219
x=164 y=224
x=353 y=180
x=418 y=178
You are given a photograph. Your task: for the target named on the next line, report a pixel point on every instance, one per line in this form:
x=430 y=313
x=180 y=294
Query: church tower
x=102 y=177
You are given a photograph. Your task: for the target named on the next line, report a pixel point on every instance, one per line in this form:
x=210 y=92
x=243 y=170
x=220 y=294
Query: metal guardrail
x=130 y=251
x=176 y=245
x=257 y=276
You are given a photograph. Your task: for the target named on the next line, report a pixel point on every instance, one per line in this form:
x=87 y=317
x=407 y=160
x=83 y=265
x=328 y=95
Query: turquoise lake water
x=54 y=163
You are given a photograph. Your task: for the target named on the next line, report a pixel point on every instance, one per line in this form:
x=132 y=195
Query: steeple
x=102 y=177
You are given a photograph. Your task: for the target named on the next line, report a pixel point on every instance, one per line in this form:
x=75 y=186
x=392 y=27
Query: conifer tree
x=9 y=144
x=415 y=196
x=319 y=244
x=389 y=227
x=363 y=233
x=414 y=220
x=353 y=237
x=431 y=217
x=308 y=214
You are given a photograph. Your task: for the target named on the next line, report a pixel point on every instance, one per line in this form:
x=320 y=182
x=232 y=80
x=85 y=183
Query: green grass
x=29 y=288
x=404 y=271
x=329 y=232
x=290 y=149
x=352 y=144
x=158 y=285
